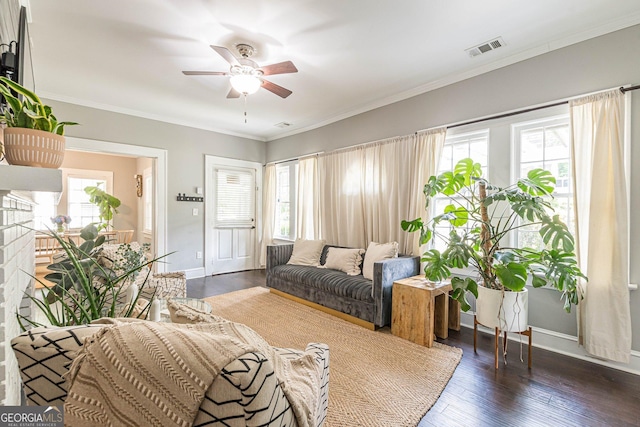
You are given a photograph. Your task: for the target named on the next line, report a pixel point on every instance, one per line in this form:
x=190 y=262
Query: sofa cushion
x=377 y=252
x=44 y=355
x=306 y=252
x=344 y=259
x=332 y=281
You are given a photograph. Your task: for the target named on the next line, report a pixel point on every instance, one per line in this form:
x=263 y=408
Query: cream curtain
x=268 y=211
x=308 y=199
x=601 y=224
x=366 y=191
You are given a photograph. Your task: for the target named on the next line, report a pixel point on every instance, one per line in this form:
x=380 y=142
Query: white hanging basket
x=506 y=310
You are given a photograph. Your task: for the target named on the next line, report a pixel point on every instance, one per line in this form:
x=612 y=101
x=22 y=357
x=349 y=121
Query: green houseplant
x=107 y=204
x=477 y=224
x=26 y=116
x=87 y=285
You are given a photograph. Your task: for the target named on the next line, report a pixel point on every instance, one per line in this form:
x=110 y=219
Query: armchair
x=246 y=392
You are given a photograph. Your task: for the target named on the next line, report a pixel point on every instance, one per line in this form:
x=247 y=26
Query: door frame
x=160 y=180
x=209 y=215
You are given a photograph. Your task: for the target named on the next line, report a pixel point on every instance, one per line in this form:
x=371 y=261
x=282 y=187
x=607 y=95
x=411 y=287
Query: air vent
x=282 y=125
x=485 y=47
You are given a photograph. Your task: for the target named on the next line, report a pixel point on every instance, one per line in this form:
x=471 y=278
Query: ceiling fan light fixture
x=245 y=83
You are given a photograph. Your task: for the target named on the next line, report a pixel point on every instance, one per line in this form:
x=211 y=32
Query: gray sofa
x=353 y=295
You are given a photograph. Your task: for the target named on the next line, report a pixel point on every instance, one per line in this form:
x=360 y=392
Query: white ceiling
x=352 y=55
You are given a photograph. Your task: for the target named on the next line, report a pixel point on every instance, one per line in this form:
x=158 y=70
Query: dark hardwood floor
x=209 y=286
x=558 y=390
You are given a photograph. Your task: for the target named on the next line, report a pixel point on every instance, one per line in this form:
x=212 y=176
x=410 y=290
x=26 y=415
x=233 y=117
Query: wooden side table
x=420 y=309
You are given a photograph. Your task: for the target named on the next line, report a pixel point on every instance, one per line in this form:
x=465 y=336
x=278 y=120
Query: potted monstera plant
x=473 y=233
x=33 y=136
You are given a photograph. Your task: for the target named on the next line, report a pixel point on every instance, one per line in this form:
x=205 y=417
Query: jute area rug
x=375 y=378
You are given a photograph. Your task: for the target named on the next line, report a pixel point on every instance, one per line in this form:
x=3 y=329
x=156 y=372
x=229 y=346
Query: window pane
x=532 y=145
x=460 y=151
x=44 y=210
x=556 y=142
x=546 y=145
x=457 y=147
x=446 y=161
x=478 y=151
x=529 y=166
x=235 y=196
x=286 y=180
x=81 y=211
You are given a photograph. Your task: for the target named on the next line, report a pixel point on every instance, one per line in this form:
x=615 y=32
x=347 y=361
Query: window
x=81 y=211
x=460 y=146
x=545 y=144
x=235 y=197
x=457 y=147
x=286 y=179
x=147 y=186
x=44 y=210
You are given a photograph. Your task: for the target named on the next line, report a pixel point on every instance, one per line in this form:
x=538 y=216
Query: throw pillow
x=377 y=252
x=344 y=259
x=183 y=313
x=306 y=252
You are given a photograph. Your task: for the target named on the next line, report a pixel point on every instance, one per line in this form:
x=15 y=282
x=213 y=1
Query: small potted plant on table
x=61 y=221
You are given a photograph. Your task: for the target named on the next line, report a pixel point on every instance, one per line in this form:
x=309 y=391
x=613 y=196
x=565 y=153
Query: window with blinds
x=235 y=197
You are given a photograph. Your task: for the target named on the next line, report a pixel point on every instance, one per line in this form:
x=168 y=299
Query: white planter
x=510 y=314
x=31 y=147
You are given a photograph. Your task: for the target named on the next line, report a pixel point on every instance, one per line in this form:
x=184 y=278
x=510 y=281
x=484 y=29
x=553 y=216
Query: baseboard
x=563 y=344
x=194 y=273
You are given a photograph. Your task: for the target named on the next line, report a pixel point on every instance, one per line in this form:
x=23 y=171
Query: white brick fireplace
x=17 y=260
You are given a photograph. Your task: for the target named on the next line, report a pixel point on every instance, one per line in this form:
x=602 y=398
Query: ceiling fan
x=246 y=75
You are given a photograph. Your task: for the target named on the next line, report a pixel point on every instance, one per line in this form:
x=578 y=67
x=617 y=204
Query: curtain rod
x=293 y=159
x=527 y=110
x=499 y=116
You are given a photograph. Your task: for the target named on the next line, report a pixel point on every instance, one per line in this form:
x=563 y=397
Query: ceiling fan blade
x=279 y=68
x=278 y=90
x=204 y=73
x=226 y=54
x=233 y=94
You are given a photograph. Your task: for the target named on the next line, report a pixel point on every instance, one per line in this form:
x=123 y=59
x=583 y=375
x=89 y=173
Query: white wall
x=604 y=62
x=186 y=148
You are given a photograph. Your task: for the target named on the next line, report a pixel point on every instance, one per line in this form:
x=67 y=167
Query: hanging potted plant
x=32 y=136
x=475 y=229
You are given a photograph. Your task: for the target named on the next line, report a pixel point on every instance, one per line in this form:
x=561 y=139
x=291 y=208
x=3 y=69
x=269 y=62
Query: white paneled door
x=232 y=211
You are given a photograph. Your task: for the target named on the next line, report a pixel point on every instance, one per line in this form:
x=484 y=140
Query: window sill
x=282 y=241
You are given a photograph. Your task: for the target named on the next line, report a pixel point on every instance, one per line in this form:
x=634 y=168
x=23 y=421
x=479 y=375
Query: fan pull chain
x=245 y=108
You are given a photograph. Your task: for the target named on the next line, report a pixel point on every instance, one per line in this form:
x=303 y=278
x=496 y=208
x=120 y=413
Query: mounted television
x=22 y=46
x=14 y=39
